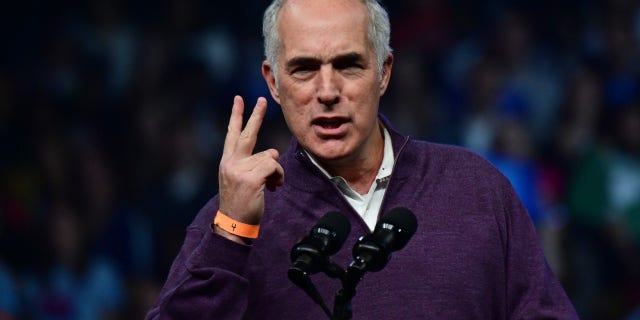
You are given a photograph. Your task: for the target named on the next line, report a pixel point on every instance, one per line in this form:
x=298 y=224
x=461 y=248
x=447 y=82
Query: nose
x=328 y=92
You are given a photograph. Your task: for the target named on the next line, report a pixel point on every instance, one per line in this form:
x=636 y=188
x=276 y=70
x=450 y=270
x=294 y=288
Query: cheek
x=296 y=90
x=295 y=117
x=367 y=102
x=294 y=101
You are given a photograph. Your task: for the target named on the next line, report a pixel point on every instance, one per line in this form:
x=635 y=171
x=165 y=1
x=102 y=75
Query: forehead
x=323 y=28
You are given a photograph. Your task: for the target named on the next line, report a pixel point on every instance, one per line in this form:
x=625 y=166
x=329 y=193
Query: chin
x=333 y=156
x=330 y=149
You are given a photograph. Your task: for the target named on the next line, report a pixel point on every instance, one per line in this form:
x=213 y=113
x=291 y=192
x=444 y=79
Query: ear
x=386 y=73
x=270 y=79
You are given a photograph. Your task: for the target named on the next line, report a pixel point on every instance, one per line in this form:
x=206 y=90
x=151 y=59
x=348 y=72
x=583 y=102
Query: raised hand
x=243 y=175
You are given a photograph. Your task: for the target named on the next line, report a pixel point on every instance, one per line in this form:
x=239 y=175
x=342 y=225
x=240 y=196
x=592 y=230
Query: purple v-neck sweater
x=475 y=254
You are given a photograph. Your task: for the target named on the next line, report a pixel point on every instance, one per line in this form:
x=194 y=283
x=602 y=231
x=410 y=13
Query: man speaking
x=474 y=254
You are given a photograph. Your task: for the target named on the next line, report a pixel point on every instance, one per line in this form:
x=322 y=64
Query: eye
x=348 y=65
x=304 y=70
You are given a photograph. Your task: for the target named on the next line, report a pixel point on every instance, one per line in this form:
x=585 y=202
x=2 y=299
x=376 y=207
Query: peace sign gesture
x=243 y=175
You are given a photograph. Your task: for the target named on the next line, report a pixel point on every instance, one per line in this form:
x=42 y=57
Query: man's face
x=328 y=84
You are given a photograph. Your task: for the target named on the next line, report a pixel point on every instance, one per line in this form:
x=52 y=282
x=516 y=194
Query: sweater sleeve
x=206 y=279
x=533 y=290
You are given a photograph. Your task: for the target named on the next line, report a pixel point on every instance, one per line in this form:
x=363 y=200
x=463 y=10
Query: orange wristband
x=236 y=227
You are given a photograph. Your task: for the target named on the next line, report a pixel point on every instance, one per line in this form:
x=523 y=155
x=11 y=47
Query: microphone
x=311 y=254
x=372 y=252
x=392 y=232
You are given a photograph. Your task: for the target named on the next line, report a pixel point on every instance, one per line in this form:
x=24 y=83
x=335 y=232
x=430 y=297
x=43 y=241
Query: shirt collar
x=385 y=168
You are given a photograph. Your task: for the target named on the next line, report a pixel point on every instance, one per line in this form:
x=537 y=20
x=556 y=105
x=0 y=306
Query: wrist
x=234 y=227
x=223 y=233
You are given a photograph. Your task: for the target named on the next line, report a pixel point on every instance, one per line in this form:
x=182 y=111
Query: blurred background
x=113 y=114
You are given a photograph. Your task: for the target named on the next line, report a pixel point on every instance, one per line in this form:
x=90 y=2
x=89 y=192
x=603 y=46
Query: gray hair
x=379 y=33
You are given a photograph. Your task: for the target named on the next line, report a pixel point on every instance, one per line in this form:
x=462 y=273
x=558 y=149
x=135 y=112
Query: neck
x=360 y=172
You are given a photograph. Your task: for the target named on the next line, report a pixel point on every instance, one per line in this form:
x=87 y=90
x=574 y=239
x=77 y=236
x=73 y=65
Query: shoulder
x=450 y=159
x=447 y=152
x=423 y=152
x=452 y=172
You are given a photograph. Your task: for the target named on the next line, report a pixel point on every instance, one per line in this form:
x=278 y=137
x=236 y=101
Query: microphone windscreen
x=404 y=223
x=336 y=223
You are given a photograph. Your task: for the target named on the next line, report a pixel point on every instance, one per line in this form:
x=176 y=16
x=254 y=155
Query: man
x=475 y=254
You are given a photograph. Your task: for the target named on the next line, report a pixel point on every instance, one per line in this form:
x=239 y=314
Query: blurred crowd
x=113 y=114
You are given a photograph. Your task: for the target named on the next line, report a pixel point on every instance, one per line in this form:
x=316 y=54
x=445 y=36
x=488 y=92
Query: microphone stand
x=342 y=309
x=302 y=280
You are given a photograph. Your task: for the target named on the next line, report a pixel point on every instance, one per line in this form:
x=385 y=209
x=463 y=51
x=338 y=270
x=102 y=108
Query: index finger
x=235 y=126
x=248 y=137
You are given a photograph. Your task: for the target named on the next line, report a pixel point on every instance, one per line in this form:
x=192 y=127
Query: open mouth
x=330 y=123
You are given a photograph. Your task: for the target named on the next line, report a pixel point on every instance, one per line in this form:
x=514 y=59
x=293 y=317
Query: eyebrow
x=348 y=58
x=343 y=58
x=301 y=61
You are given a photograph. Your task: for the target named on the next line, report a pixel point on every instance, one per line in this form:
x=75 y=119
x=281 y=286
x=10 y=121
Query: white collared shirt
x=367 y=205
